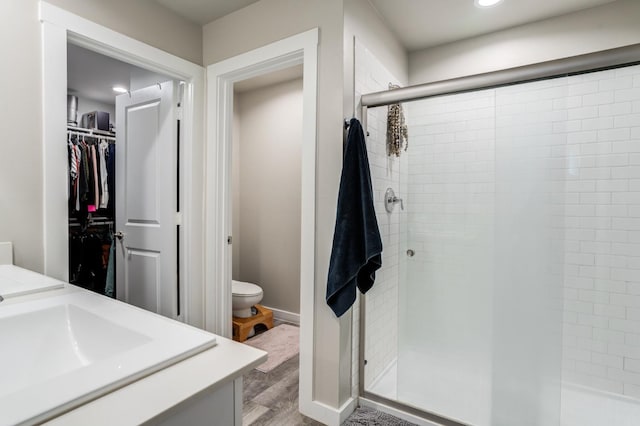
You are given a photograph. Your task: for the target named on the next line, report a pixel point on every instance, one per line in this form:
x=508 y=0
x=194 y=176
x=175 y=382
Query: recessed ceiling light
x=119 y=89
x=486 y=3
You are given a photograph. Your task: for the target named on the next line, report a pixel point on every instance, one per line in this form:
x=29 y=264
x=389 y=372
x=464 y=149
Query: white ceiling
x=419 y=24
x=204 y=11
x=92 y=75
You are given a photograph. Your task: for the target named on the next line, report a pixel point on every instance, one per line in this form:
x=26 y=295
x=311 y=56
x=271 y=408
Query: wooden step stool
x=243 y=326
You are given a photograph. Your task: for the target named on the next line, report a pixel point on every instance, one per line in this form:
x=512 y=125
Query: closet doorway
x=60 y=27
x=123 y=144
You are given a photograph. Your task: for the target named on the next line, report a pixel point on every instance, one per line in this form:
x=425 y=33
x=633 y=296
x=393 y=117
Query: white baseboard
x=347 y=408
x=285 y=316
x=327 y=415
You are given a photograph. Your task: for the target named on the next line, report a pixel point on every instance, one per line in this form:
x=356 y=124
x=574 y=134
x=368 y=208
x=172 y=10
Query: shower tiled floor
x=584 y=407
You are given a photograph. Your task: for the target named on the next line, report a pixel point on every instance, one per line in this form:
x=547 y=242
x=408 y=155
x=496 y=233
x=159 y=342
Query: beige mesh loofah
x=397 y=133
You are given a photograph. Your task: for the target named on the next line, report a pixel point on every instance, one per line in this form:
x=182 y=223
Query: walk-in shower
x=510 y=287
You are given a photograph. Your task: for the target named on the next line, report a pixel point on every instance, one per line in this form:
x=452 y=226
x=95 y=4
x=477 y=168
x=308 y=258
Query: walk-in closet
x=93 y=83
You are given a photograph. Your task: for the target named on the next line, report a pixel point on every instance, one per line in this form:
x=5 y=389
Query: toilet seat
x=241 y=288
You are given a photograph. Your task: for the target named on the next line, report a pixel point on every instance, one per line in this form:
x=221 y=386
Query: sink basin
x=16 y=281
x=61 y=351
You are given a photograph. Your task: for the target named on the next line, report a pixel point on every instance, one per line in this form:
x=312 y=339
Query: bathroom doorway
x=266 y=188
x=266 y=204
x=298 y=50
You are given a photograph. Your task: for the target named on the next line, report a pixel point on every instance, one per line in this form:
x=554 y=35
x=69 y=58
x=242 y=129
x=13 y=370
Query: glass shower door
x=480 y=261
x=445 y=322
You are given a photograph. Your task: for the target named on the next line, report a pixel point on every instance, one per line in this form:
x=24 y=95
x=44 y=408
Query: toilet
x=247 y=313
x=244 y=296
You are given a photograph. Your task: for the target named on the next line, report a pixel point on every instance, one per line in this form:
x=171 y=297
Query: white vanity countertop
x=16 y=281
x=148 y=397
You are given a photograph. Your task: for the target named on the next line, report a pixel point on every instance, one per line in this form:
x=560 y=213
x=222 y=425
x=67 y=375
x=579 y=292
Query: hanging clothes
x=111 y=178
x=91 y=246
x=91 y=177
x=104 y=193
x=87 y=260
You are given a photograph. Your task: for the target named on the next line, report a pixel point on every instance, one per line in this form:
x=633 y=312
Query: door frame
x=59 y=27
x=298 y=49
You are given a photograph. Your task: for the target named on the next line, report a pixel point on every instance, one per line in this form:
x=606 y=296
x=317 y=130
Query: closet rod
x=90 y=132
x=95 y=223
x=95 y=136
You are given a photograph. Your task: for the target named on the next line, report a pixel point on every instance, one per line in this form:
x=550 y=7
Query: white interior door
x=146 y=200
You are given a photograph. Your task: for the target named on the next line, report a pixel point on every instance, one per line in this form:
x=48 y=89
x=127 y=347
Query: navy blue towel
x=357 y=246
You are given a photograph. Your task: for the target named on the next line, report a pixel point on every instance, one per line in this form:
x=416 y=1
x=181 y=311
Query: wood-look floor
x=272 y=398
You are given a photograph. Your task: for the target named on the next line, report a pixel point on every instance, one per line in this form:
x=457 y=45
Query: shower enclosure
x=510 y=287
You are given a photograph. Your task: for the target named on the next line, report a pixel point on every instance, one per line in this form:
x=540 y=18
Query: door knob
x=119 y=235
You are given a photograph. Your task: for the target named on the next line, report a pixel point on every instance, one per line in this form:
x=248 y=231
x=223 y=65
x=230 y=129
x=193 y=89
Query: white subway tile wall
x=601 y=335
x=381 y=342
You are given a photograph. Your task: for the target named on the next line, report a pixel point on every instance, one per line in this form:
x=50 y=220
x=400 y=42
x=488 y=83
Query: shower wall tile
x=602 y=248
x=594 y=132
x=381 y=338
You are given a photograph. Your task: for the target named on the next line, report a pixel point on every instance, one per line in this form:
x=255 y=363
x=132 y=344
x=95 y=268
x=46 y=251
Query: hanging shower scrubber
x=397 y=133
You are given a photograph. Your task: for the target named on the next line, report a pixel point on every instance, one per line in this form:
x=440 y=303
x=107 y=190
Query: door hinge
x=178 y=218
x=179 y=107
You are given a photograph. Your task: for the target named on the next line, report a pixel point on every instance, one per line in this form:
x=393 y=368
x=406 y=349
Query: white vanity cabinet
x=205 y=389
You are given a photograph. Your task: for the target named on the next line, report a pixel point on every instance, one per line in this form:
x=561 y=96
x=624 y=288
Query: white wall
x=21 y=127
x=268 y=191
x=605 y=27
x=144 y=20
x=363 y=22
